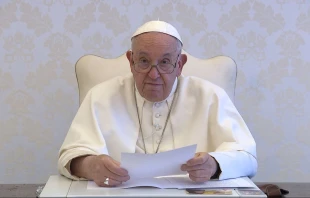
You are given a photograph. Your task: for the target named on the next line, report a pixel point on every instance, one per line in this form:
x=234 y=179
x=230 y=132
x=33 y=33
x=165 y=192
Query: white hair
x=178 y=44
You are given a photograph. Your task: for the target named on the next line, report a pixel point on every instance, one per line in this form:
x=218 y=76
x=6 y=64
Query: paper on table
x=181 y=182
x=166 y=163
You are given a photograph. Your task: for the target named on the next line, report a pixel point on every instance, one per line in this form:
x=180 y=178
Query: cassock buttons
x=157 y=104
x=157 y=127
x=157 y=115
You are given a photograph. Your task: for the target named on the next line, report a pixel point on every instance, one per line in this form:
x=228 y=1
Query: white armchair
x=92 y=70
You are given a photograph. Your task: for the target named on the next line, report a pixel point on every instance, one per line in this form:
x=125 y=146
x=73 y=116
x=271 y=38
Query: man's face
x=154 y=48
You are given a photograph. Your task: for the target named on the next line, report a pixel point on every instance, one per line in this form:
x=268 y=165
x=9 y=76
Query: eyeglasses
x=163 y=67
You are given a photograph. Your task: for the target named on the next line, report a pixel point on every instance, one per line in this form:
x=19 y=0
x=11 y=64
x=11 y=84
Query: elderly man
x=155 y=109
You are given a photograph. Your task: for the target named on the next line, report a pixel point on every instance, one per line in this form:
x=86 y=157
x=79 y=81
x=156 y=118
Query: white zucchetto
x=158 y=26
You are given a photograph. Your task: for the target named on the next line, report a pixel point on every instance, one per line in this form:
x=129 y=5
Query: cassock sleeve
x=83 y=138
x=236 y=155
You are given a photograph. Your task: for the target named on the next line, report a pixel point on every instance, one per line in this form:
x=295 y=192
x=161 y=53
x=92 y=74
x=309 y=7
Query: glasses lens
x=141 y=67
x=165 y=68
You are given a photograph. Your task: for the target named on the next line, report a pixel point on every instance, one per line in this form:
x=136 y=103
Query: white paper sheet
x=166 y=163
x=181 y=182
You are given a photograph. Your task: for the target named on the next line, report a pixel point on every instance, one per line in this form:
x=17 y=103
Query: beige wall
x=40 y=41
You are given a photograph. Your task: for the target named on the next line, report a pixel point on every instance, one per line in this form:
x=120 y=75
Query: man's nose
x=153 y=73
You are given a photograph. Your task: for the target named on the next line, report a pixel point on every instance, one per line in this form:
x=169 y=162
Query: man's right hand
x=99 y=169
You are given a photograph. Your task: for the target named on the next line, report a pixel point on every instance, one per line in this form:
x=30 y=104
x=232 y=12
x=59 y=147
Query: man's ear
x=128 y=55
x=181 y=63
x=129 y=58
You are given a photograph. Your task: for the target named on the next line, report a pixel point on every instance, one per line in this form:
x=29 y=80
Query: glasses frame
x=151 y=66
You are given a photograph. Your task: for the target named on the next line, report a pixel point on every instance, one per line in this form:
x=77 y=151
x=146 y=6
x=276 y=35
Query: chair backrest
x=92 y=70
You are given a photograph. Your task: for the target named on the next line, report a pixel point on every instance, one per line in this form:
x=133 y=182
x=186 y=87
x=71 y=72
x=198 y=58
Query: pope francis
x=155 y=109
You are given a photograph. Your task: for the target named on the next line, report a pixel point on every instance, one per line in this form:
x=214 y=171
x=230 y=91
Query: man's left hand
x=200 y=168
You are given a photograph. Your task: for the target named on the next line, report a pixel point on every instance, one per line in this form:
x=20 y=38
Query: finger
x=107 y=182
x=101 y=182
x=116 y=162
x=113 y=172
x=116 y=169
x=199 y=179
x=113 y=182
x=200 y=173
x=199 y=159
x=185 y=167
x=117 y=177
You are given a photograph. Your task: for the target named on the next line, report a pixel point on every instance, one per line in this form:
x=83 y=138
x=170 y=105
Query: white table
x=59 y=186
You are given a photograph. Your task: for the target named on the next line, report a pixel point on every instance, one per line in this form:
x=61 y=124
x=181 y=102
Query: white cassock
x=202 y=113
